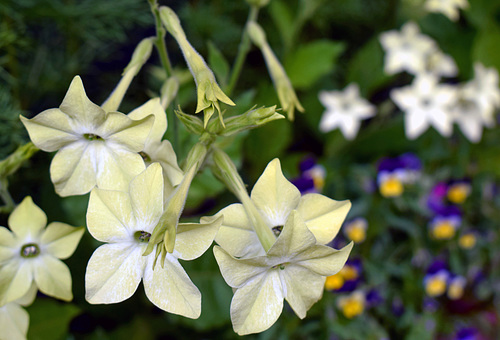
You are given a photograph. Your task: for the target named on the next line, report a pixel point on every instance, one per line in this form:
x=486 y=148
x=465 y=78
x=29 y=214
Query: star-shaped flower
x=14 y=320
x=275 y=198
x=295 y=269
x=95 y=147
x=125 y=221
x=425 y=102
x=468 y=115
x=29 y=252
x=407 y=50
x=344 y=110
x=450 y=8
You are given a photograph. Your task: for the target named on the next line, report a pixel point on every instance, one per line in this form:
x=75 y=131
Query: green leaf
x=283 y=19
x=49 y=319
x=312 y=61
x=487 y=46
x=422 y=329
x=218 y=64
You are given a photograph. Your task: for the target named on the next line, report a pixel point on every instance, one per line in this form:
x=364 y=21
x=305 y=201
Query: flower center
x=142 y=236
x=277 y=230
x=145 y=156
x=30 y=250
x=91 y=136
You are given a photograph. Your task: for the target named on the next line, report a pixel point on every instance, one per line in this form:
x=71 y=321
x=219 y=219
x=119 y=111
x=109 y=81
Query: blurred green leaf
x=49 y=319
x=312 y=61
x=487 y=46
x=218 y=64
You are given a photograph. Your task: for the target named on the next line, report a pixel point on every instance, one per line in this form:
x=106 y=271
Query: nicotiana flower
x=353 y=304
x=125 y=221
x=275 y=198
x=467 y=114
x=426 y=103
x=295 y=269
x=14 y=320
x=29 y=253
x=94 y=147
x=156 y=149
x=345 y=110
x=450 y=8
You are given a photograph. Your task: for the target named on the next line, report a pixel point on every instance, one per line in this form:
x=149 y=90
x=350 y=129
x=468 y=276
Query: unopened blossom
x=125 y=222
x=94 y=147
x=450 y=8
x=426 y=103
x=295 y=269
x=406 y=50
x=31 y=253
x=275 y=198
x=345 y=110
x=14 y=320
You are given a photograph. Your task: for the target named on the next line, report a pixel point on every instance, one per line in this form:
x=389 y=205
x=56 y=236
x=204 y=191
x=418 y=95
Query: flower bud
x=168 y=91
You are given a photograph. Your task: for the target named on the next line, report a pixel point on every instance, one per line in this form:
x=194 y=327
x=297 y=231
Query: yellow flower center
x=334 y=282
x=435 y=286
x=391 y=187
x=352 y=307
x=349 y=273
x=467 y=241
x=455 y=291
x=356 y=234
x=319 y=182
x=30 y=250
x=443 y=231
x=458 y=193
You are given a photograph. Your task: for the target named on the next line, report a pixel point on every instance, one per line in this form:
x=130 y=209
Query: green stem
x=6 y=197
x=242 y=52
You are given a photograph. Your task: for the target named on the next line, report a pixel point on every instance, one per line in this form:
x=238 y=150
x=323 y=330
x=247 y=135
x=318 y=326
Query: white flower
x=14 y=320
x=484 y=91
x=441 y=65
x=450 y=8
x=425 y=103
x=407 y=50
x=344 y=109
x=467 y=114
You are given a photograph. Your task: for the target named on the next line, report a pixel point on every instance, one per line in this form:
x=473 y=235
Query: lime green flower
x=95 y=147
x=29 y=252
x=295 y=269
x=125 y=221
x=274 y=198
x=156 y=149
x=14 y=320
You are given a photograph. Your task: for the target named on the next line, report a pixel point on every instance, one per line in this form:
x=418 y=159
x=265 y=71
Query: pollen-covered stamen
x=30 y=250
x=145 y=156
x=91 y=136
x=142 y=236
x=277 y=230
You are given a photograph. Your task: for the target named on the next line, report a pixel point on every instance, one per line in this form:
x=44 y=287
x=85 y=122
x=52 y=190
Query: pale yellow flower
x=125 y=221
x=14 y=320
x=29 y=253
x=295 y=269
x=94 y=147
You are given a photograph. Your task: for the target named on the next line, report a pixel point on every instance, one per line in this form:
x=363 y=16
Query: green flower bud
x=168 y=91
x=10 y=164
x=192 y=123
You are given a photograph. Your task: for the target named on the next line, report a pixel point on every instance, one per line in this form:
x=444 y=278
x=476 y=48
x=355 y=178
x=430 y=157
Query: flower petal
x=165 y=155
x=15 y=280
x=60 y=239
x=193 y=239
x=236 y=234
x=146 y=196
x=78 y=106
x=171 y=289
x=113 y=273
x=73 y=169
x=109 y=216
x=50 y=130
x=53 y=278
x=324 y=260
x=258 y=304
x=323 y=216
x=27 y=220
x=303 y=288
x=274 y=195
x=8 y=245
x=126 y=132
x=153 y=107
x=237 y=272
x=14 y=322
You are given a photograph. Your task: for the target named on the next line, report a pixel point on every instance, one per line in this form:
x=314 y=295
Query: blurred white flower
x=406 y=50
x=441 y=65
x=345 y=110
x=483 y=90
x=450 y=8
x=425 y=102
x=467 y=114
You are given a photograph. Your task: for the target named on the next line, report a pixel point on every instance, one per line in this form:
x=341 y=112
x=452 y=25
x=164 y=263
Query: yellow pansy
x=29 y=253
x=295 y=269
x=435 y=284
x=456 y=287
x=352 y=305
x=467 y=240
x=274 y=198
x=125 y=221
x=458 y=192
x=94 y=147
x=355 y=230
